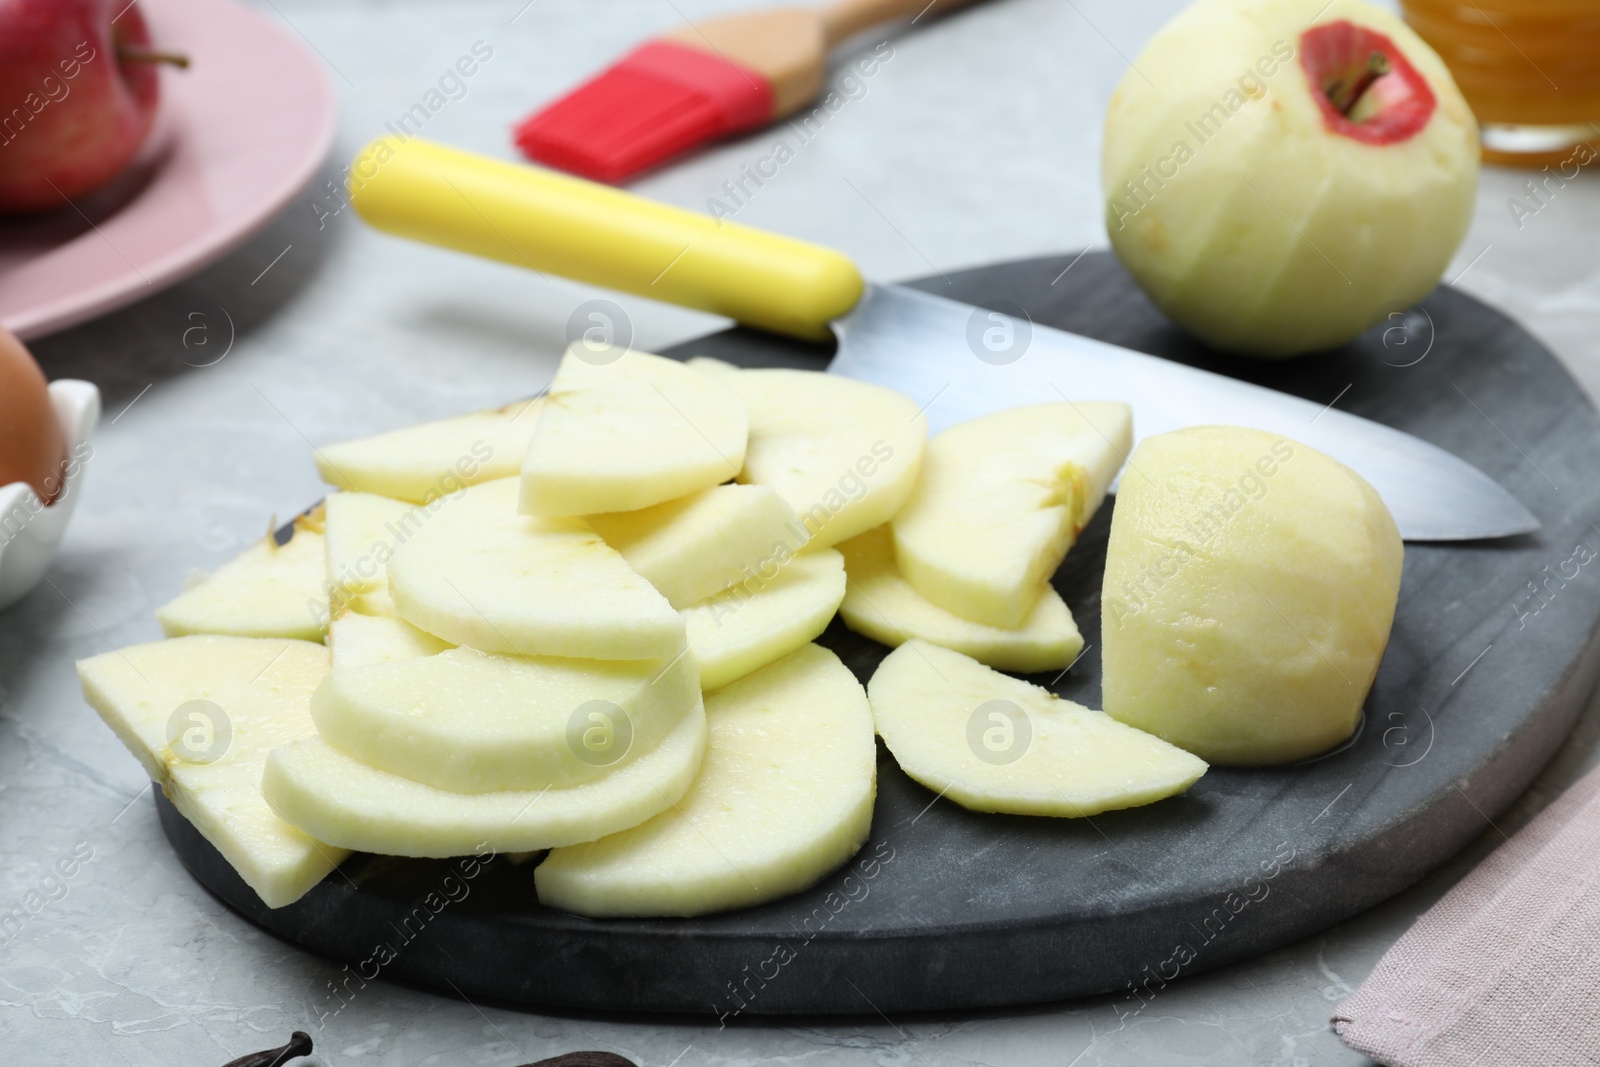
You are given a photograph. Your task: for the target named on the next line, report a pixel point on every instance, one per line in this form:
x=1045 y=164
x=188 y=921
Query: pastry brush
x=702 y=82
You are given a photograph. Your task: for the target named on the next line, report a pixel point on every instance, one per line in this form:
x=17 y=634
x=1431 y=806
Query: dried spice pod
x=299 y=1045
x=582 y=1059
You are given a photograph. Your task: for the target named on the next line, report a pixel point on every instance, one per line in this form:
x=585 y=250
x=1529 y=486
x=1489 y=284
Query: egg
x=32 y=448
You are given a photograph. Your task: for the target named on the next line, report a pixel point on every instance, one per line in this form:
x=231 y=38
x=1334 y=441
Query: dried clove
x=299 y=1045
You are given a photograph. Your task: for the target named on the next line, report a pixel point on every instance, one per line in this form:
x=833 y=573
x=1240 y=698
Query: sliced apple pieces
x=432 y=459
x=784 y=796
x=623 y=430
x=201 y=713
x=358 y=640
x=378 y=604
x=469 y=722
x=340 y=799
x=268 y=590
x=776 y=611
x=1001 y=499
x=994 y=743
x=478 y=574
x=843 y=453
x=700 y=544
x=710 y=365
x=879 y=603
x=363 y=530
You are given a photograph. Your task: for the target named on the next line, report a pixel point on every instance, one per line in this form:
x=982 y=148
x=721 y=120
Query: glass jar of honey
x=1529 y=68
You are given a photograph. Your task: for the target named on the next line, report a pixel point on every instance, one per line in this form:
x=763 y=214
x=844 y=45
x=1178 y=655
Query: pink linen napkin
x=1505 y=970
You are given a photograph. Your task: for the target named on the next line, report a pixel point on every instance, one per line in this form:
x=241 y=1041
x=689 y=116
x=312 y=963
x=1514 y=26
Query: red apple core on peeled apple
x=1370 y=91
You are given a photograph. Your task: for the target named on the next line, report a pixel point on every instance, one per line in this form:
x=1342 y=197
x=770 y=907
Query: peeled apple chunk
x=362 y=531
x=377 y=603
x=621 y=430
x=709 y=365
x=994 y=743
x=776 y=611
x=469 y=722
x=201 y=713
x=1263 y=198
x=478 y=574
x=1250 y=586
x=700 y=544
x=268 y=590
x=843 y=453
x=432 y=459
x=784 y=797
x=358 y=640
x=881 y=604
x=1001 y=499
x=327 y=793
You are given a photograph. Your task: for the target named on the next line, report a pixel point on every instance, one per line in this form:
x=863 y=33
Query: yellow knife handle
x=593 y=233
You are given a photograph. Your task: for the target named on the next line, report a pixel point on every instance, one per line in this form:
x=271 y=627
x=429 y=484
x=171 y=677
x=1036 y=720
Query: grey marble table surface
x=976 y=141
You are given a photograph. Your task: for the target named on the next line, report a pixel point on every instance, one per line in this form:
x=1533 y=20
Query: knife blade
x=919 y=344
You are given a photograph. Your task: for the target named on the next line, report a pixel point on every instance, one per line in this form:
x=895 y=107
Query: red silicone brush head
x=660 y=100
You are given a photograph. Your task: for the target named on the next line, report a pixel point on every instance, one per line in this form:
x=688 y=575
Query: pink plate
x=240 y=132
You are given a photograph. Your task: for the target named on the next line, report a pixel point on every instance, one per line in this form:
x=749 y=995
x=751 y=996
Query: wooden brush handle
x=845 y=18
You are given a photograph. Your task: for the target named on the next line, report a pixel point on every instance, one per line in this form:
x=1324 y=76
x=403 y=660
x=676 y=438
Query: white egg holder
x=30 y=532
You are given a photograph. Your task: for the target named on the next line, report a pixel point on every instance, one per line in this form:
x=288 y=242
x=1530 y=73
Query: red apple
x=78 y=94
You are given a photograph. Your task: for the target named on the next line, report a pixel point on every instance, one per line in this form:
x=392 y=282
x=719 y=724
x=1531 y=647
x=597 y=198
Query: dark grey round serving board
x=1493 y=655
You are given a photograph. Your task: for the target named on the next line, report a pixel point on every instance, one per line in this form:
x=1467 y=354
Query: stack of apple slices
x=959 y=583
x=583 y=624
x=966 y=563
x=519 y=650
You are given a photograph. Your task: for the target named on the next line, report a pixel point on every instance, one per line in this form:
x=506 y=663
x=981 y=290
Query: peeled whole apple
x=79 y=87
x=1249 y=589
x=1280 y=175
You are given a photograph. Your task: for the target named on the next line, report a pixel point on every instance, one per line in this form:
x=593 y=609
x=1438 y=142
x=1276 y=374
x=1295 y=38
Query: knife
x=955 y=360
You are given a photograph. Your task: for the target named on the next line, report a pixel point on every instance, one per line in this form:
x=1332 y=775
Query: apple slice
x=468 y=722
x=376 y=604
x=326 y=793
x=881 y=604
x=358 y=640
x=201 y=713
x=1001 y=499
x=478 y=574
x=843 y=453
x=363 y=530
x=629 y=432
x=710 y=365
x=765 y=618
x=433 y=459
x=268 y=590
x=784 y=796
x=991 y=742
x=700 y=544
